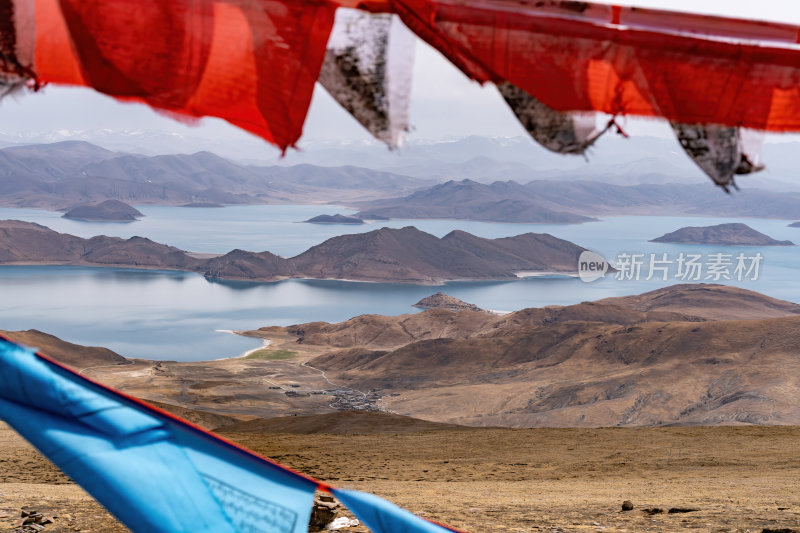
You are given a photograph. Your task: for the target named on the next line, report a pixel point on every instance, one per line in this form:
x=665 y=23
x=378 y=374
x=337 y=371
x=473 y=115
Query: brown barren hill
x=378 y=331
x=243 y=265
x=411 y=255
x=73 y=355
x=710 y=301
x=529 y=251
x=402 y=255
x=136 y=252
x=592 y=374
x=30 y=243
x=677 y=303
x=586 y=312
x=27 y=242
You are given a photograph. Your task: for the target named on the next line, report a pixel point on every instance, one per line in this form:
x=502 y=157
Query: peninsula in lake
x=107 y=211
x=405 y=255
x=735 y=234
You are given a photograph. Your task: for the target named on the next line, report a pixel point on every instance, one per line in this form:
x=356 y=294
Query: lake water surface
x=179 y=316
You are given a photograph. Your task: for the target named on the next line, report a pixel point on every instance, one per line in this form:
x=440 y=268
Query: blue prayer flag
x=157 y=473
x=385 y=517
x=153 y=472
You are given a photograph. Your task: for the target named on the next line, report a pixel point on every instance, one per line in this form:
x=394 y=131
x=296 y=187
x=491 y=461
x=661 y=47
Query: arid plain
x=737 y=479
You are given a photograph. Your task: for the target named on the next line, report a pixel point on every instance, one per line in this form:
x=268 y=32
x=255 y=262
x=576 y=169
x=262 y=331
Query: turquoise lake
x=182 y=316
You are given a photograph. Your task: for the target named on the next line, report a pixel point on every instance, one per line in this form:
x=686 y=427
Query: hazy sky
x=444 y=102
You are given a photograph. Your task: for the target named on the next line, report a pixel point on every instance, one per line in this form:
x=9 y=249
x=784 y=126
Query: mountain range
x=61 y=175
x=577 y=201
x=506 y=201
x=65 y=174
x=613 y=159
x=405 y=255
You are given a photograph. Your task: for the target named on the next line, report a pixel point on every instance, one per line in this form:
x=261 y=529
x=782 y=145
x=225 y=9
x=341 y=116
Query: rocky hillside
x=382 y=332
x=592 y=374
x=29 y=243
x=243 y=265
x=73 y=355
x=677 y=303
x=709 y=301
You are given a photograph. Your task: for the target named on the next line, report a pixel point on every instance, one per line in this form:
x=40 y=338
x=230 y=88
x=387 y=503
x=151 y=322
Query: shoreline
x=264 y=344
x=543 y=274
x=518 y=276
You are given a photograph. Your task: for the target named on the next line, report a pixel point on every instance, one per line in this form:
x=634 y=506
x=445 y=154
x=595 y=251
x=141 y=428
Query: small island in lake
x=107 y=211
x=441 y=300
x=334 y=219
x=794 y=225
x=734 y=234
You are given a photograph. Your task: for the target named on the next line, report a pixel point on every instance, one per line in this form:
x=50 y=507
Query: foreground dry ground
x=738 y=478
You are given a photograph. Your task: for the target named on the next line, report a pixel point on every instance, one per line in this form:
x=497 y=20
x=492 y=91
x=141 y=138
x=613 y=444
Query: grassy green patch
x=271 y=355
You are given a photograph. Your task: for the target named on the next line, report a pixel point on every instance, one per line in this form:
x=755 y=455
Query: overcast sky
x=444 y=103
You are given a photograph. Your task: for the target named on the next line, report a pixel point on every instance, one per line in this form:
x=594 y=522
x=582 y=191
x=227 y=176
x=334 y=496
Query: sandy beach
x=264 y=344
